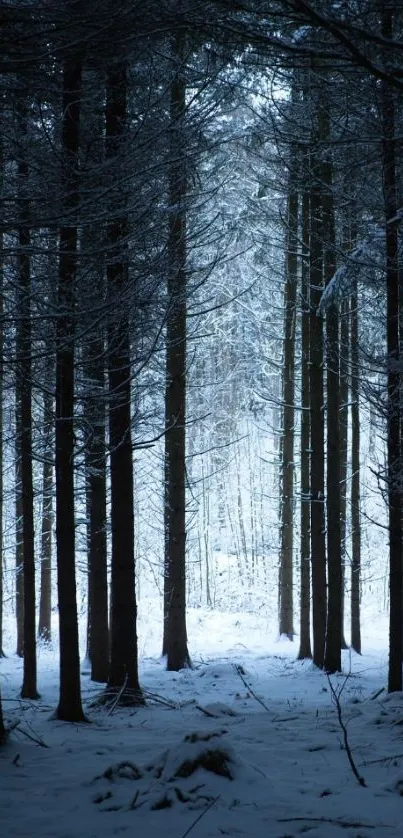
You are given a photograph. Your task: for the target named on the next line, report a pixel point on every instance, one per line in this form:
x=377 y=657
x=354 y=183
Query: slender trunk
x=70 y=706
x=343 y=425
x=98 y=640
x=287 y=448
x=19 y=551
x=123 y=670
x=394 y=454
x=317 y=448
x=355 y=481
x=305 y=650
x=2 y=725
x=45 y=602
x=175 y=635
x=333 y=505
x=24 y=405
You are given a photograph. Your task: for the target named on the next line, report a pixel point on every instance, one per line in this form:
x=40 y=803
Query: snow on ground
x=246 y=744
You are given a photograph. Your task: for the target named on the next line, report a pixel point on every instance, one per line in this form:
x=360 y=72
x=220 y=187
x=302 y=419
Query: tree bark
x=70 y=706
x=175 y=634
x=344 y=413
x=123 y=670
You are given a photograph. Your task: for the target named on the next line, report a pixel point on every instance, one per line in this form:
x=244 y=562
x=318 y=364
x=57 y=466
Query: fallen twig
x=239 y=672
x=118 y=696
x=199 y=817
x=33 y=737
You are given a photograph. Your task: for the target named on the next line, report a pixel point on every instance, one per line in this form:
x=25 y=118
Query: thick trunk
x=287 y=449
x=394 y=454
x=175 y=635
x=1 y=415
x=70 y=707
x=305 y=650
x=123 y=670
x=45 y=602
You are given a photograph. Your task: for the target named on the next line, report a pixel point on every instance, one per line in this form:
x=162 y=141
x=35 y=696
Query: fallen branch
x=239 y=672
x=336 y=699
x=335 y=821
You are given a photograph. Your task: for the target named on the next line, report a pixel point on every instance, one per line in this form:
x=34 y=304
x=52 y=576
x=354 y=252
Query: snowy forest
x=201 y=421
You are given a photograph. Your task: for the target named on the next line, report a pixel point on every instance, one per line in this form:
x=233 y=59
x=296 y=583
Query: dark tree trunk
x=98 y=635
x=45 y=602
x=123 y=671
x=175 y=635
x=333 y=505
x=355 y=481
x=19 y=552
x=287 y=449
x=305 y=650
x=70 y=706
x=2 y=655
x=317 y=447
x=394 y=454
x=2 y=725
x=343 y=413
x=24 y=406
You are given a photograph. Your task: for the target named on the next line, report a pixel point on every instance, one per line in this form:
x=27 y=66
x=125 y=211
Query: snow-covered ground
x=247 y=710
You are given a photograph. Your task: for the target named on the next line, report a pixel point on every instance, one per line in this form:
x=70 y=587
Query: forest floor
x=247 y=710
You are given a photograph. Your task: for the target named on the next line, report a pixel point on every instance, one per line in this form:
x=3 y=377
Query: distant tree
x=45 y=600
x=287 y=500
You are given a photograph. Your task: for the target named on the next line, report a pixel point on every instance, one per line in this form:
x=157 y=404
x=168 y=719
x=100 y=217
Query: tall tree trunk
x=175 y=635
x=45 y=601
x=343 y=425
x=19 y=546
x=70 y=706
x=24 y=405
x=287 y=449
x=2 y=655
x=2 y=725
x=305 y=650
x=317 y=447
x=98 y=640
x=355 y=480
x=333 y=502
x=123 y=670
x=394 y=453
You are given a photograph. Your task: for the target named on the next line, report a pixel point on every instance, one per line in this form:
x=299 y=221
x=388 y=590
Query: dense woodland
x=201 y=321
